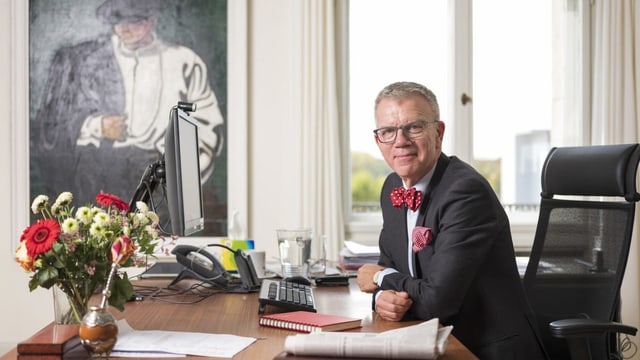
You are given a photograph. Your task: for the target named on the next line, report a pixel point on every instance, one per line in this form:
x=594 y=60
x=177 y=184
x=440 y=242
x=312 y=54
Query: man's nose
x=401 y=137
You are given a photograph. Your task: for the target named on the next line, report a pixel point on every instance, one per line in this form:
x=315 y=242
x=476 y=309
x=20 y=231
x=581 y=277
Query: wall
x=274 y=160
x=26 y=312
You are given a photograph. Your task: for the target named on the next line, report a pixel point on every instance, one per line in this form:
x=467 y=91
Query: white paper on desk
x=144 y=354
x=358 y=249
x=179 y=342
x=421 y=341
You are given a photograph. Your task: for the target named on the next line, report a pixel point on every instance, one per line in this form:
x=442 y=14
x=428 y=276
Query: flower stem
x=77 y=302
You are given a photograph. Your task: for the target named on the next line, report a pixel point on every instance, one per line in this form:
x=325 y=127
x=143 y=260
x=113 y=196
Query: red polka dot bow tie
x=411 y=197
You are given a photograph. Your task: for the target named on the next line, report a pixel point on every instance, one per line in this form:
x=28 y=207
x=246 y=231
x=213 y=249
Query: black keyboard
x=286 y=295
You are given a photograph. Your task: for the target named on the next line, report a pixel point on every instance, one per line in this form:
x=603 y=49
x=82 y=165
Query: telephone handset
x=202 y=265
x=247 y=271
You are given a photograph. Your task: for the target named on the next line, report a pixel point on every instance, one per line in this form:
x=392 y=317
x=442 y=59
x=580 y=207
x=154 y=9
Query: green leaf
x=46 y=277
x=58 y=264
x=33 y=283
x=58 y=247
x=121 y=291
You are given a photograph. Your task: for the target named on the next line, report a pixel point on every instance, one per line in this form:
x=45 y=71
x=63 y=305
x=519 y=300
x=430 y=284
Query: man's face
x=411 y=158
x=136 y=34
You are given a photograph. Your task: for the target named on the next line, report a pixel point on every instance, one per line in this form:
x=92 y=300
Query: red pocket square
x=421 y=237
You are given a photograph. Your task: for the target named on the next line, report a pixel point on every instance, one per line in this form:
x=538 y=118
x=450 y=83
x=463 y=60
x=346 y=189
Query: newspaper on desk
x=160 y=343
x=422 y=341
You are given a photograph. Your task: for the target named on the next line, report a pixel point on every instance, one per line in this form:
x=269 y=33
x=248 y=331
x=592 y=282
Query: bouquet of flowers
x=73 y=249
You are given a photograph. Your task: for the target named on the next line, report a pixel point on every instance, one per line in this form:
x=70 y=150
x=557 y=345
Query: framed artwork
x=103 y=76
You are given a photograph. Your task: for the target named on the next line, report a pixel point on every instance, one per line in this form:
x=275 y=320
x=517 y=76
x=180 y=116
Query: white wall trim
x=19 y=120
x=237 y=111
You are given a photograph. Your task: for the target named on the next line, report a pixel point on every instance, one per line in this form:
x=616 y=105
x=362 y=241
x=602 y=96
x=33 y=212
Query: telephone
x=202 y=265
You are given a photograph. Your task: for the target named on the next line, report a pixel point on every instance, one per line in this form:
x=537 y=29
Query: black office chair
x=580 y=249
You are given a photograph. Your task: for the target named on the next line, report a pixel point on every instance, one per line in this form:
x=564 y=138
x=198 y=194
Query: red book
x=306 y=321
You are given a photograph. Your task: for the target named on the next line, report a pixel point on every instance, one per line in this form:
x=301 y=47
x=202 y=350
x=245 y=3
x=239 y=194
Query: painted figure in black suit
x=107 y=101
x=452 y=258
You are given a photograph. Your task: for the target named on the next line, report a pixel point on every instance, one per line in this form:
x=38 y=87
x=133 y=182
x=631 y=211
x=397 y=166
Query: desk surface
x=238 y=314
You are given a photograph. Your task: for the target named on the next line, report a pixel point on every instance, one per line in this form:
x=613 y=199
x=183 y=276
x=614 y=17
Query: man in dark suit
x=445 y=248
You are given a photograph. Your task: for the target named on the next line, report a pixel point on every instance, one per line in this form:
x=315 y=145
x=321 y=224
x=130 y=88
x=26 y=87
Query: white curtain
x=615 y=113
x=321 y=112
x=616 y=70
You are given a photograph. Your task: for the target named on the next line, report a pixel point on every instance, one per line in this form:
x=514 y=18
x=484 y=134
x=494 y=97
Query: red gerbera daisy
x=40 y=236
x=105 y=199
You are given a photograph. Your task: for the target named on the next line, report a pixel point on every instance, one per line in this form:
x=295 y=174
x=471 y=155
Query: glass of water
x=294 y=246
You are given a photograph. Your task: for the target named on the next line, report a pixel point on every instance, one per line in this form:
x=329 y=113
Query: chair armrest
x=587 y=327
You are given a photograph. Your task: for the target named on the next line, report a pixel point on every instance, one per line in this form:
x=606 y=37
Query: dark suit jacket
x=469 y=278
x=84 y=79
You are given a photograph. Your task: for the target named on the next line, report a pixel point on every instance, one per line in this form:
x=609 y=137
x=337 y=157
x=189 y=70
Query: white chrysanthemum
x=70 y=226
x=95 y=210
x=63 y=199
x=153 y=217
x=126 y=230
x=55 y=209
x=142 y=218
x=39 y=203
x=97 y=230
x=134 y=221
x=102 y=219
x=84 y=215
x=153 y=233
x=142 y=206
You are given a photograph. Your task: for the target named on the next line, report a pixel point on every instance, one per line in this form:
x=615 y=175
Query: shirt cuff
x=90 y=132
x=383 y=273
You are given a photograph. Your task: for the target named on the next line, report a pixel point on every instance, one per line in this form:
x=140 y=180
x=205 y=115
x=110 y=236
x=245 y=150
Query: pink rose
x=421 y=237
x=122 y=246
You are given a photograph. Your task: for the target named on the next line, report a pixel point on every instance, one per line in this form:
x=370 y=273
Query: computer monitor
x=182 y=172
x=178 y=172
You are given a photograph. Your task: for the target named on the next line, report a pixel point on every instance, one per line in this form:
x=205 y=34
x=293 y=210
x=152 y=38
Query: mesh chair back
x=582 y=239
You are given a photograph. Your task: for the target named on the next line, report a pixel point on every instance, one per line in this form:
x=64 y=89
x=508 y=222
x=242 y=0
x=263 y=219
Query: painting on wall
x=103 y=77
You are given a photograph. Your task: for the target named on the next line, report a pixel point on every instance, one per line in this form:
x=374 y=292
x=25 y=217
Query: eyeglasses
x=411 y=130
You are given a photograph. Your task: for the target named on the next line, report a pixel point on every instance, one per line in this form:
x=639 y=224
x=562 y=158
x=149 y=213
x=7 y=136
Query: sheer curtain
x=322 y=115
x=615 y=113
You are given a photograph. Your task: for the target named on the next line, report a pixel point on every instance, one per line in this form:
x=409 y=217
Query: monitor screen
x=182 y=172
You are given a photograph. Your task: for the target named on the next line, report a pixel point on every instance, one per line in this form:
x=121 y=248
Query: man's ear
x=440 y=128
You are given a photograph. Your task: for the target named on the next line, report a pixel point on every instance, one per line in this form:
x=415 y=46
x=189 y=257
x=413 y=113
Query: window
x=387 y=43
x=522 y=74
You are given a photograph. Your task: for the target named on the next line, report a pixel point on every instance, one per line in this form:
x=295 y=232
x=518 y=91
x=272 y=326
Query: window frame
x=365 y=227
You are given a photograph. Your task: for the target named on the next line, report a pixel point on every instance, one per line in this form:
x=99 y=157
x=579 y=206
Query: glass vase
x=65 y=309
x=98 y=332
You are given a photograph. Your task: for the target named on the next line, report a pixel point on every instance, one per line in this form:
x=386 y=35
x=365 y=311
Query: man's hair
x=403 y=89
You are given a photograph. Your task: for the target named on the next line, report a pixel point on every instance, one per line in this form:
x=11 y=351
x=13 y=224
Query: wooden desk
x=238 y=314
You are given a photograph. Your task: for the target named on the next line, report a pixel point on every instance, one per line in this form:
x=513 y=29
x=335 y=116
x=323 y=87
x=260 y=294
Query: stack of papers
x=354 y=255
x=158 y=343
